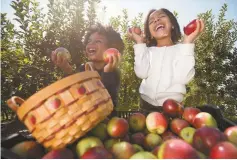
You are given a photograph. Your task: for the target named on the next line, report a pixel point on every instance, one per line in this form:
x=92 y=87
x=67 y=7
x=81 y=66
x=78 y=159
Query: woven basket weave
x=66 y=110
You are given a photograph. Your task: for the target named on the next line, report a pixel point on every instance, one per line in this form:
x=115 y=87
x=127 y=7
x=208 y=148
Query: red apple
x=97 y=153
x=63 y=153
x=187 y=134
x=117 y=127
x=109 y=52
x=190 y=113
x=191 y=27
x=172 y=108
x=176 y=149
x=123 y=150
x=137 y=30
x=204 y=119
x=177 y=125
x=152 y=140
x=223 y=150
x=137 y=122
x=86 y=143
x=138 y=138
x=206 y=137
x=155 y=150
x=156 y=122
x=231 y=134
x=63 y=53
x=143 y=155
x=167 y=133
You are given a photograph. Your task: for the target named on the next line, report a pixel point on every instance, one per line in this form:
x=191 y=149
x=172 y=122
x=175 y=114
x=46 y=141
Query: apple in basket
x=177 y=125
x=63 y=53
x=123 y=150
x=110 y=52
x=190 y=113
x=156 y=122
x=204 y=119
x=117 y=127
x=97 y=153
x=223 y=150
x=231 y=133
x=137 y=122
x=172 y=108
x=143 y=155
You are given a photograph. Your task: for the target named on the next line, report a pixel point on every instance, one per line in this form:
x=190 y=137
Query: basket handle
x=15 y=102
x=89 y=66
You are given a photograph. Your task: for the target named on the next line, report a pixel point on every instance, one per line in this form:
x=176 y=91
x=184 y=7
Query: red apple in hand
x=156 y=122
x=206 y=137
x=109 y=52
x=191 y=27
x=172 y=108
x=176 y=149
x=204 y=119
x=117 y=127
x=97 y=153
x=231 y=134
x=190 y=113
x=223 y=150
x=137 y=30
x=177 y=125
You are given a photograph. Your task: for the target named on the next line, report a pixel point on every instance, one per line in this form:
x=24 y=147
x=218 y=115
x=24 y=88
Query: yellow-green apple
x=63 y=52
x=187 y=134
x=110 y=142
x=137 y=122
x=97 y=153
x=28 y=150
x=122 y=150
x=138 y=138
x=223 y=150
x=172 y=108
x=117 y=127
x=206 y=137
x=100 y=131
x=63 y=153
x=110 y=52
x=86 y=143
x=190 y=113
x=177 y=125
x=152 y=140
x=156 y=122
x=231 y=134
x=176 y=149
x=204 y=119
x=143 y=155
x=137 y=148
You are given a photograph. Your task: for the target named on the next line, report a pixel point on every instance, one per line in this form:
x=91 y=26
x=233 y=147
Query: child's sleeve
x=142 y=60
x=184 y=64
x=111 y=81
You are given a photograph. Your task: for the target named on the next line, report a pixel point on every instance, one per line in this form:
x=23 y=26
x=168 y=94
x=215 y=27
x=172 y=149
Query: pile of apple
x=178 y=132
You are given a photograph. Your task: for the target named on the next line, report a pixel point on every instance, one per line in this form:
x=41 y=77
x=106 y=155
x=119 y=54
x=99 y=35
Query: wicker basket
x=66 y=110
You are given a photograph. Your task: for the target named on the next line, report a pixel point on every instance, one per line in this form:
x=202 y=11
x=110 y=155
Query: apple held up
x=63 y=53
x=110 y=52
x=191 y=27
x=137 y=30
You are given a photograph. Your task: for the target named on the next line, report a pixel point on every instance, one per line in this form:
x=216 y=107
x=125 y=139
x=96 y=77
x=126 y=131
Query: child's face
x=95 y=47
x=159 y=25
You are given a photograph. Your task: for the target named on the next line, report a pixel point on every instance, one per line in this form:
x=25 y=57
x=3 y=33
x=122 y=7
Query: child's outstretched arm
x=142 y=57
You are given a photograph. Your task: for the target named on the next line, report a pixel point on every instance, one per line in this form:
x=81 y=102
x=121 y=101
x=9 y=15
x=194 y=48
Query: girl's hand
x=191 y=38
x=61 y=62
x=136 y=37
x=114 y=61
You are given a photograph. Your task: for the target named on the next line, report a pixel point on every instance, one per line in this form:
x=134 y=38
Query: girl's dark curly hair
x=175 y=33
x=114 y=39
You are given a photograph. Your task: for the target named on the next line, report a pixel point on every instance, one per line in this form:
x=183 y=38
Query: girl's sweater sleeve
x=142 y=60
x=184 y=64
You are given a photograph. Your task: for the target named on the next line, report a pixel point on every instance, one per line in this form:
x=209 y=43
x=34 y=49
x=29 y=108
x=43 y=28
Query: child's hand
x=61 y=62
x=135 y=37
x=190 y=38
x=114 y=61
